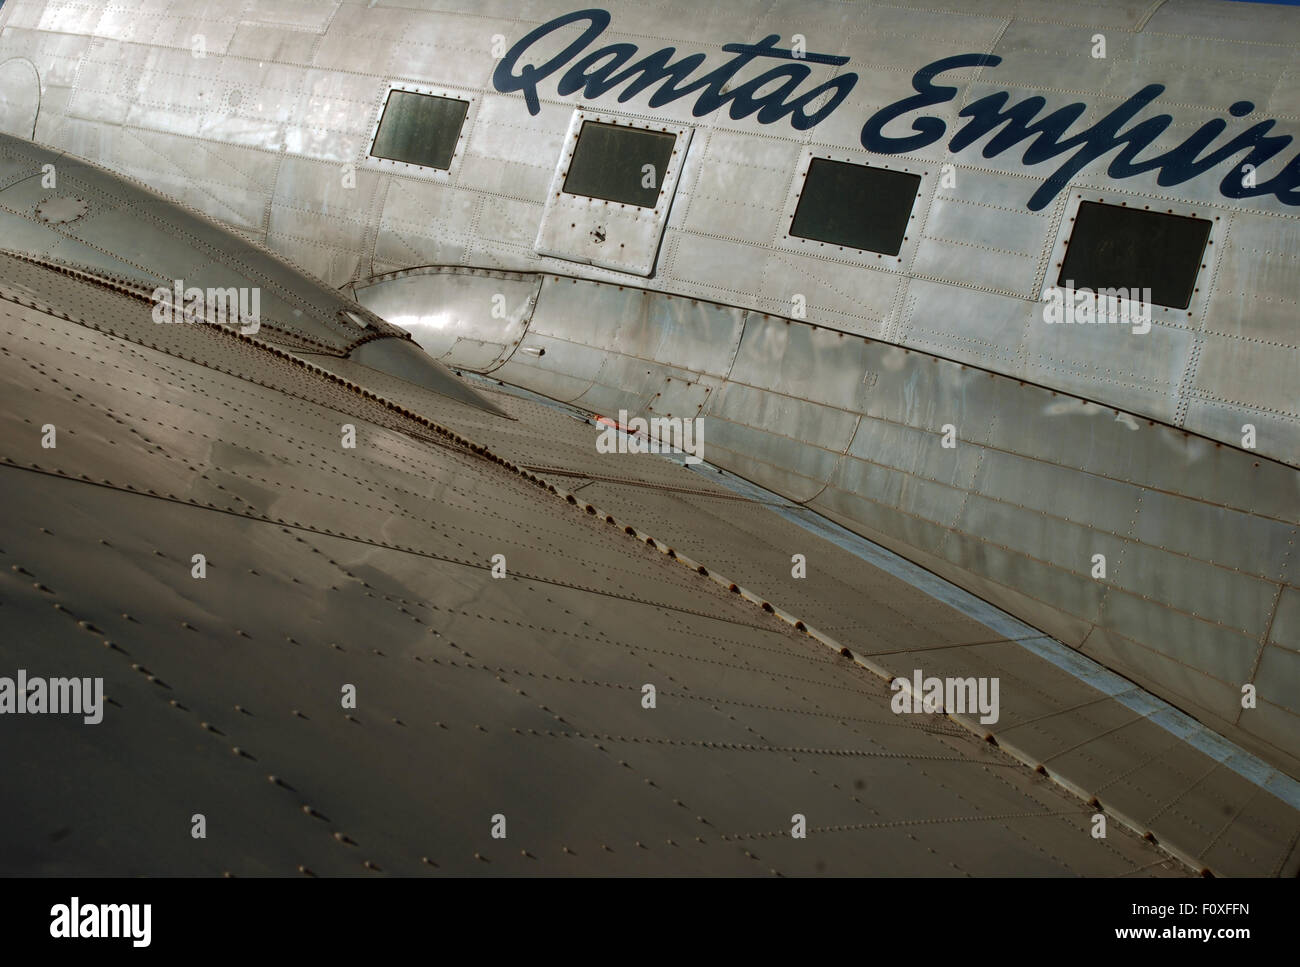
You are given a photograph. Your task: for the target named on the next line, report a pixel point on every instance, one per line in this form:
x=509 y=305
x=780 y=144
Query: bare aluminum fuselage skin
x=828 y=375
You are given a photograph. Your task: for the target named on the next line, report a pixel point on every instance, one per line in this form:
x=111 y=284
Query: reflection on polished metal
x=1198 y=535
x=372 y=567
x=20 y=96
x=381 y=478
x=522 y=696
x=96 y=222
x=259 y=131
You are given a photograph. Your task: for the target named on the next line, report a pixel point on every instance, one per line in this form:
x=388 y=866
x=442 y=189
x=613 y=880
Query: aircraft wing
x=351 y=623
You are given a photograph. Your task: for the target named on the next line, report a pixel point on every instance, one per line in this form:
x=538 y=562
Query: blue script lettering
x=612 y=67
x=775 y=95
x=1046 y=136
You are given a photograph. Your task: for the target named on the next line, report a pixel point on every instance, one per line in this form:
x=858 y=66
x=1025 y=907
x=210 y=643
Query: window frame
x=1160 y=314
x=452 y=170
x=1207 y=227
x=577 y=142
x=832 y=251
x=830 y=164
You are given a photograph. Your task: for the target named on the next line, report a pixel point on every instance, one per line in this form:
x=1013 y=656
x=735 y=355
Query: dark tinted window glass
x=419 y=129
x=855 y=206
x=609 y=163
x=1124 y=248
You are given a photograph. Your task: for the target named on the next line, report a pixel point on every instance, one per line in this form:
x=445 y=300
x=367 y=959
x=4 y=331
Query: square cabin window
x=856 y=206
x=1116 y=247
x=419 y=129
x=619 y=164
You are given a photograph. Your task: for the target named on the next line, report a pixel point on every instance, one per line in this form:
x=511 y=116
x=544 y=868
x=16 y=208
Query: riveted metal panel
x=1127 y=619
x=58 y=54
x=467 y=318
x=622 y=382
x=805 y=362
x=1043 y=541
x=101 y=93
x=424 y=46
x=1256 y=545
x=836 y=294
x=1224 y=401
x=1038 y=55
x=20 y=97
x=424 y=223
x=685 y=333
x=740 y=186
x=512 y=157
x=1279 y=670
x=257 y=41
x=1285 y=630
x=789 y=420
x=611 y=234
x=328 y=210
x=1256 y=289
x=256 y=104
x=913 y=451
x=236 y=186
x=1009 y=575
x=679 y=397
x=1226 y=24
x=553 y=366
x=1134 y=371
x=451 y=106
x=1201 y=646
x=1046 y=488
x=1267 y=728
x=919 y=390
x=732 y=445
x=1065 y=430
x=1237 y=601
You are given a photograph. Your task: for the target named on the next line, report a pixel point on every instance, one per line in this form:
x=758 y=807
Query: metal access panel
x=612 y=191
x=421 y=131
x=1117 y=247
